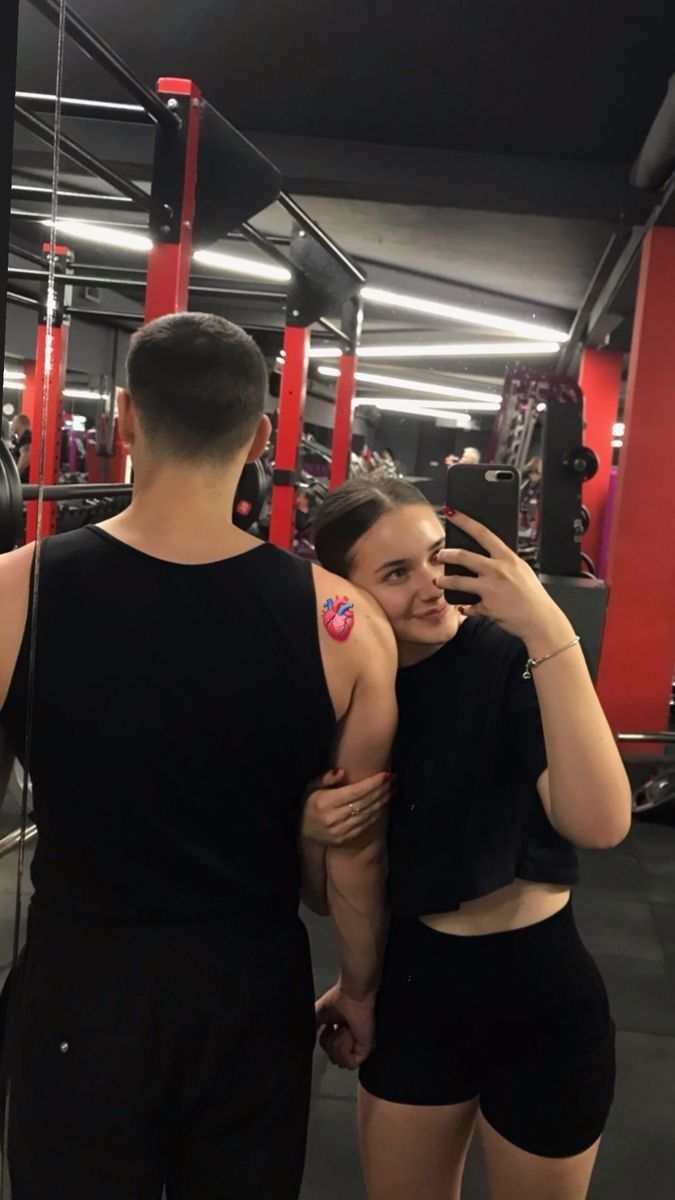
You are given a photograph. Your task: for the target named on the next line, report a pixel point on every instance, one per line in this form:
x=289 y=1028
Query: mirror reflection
x=336 y=608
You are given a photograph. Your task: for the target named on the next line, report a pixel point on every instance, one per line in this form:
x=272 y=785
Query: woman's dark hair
x=350 y=511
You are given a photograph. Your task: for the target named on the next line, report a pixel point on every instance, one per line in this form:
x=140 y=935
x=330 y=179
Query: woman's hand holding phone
x=510 y=592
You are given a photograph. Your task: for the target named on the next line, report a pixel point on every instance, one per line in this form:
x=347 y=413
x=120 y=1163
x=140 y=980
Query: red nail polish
x=449 y=512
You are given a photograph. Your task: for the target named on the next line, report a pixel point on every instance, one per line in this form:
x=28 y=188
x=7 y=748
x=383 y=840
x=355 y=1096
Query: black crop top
x=467 y=818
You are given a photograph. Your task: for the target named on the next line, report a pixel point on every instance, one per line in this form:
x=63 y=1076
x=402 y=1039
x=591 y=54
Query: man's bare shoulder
x=15 y=569
x=365 y=622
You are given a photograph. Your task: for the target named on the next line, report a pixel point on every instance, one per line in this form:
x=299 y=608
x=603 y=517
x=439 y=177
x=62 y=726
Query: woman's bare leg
x=411 y=1152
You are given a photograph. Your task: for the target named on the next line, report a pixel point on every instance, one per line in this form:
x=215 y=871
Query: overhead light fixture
x=618 y=429
x=412 y=409
x=444 y=350
x=10 y=373
x=490 y=399
x=447 y=407
x=104 y=235
x=468 y=316
x=617 y=443
x=541 y=407
x=8 y=410
x=242 y=266
x=74 y=393
x=12 y=385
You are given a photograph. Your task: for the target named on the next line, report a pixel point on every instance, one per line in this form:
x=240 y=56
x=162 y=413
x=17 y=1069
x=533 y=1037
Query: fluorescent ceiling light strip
x=72 y=100
x=443 y=350
x=68 y=195
x=242 y=266
x=409 y=406
x=446 y=406
x=468 y=316
x=12 y=385
x=11 y=373
x=407 y=385
x=84 y=394
x=104 y=235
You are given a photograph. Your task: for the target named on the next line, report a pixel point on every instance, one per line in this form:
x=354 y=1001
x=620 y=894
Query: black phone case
x=494 y=503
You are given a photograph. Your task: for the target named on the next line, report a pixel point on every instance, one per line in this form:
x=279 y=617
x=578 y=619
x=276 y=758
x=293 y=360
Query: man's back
x=179 y=712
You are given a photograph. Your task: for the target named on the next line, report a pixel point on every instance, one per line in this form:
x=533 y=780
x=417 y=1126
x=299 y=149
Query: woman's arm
x=336 y=816
x=585 y=790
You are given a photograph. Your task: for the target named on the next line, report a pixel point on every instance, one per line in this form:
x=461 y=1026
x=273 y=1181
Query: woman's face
x=396 y=562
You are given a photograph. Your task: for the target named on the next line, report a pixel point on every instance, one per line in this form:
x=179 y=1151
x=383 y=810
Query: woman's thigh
x=514 y=1174
x=414 y=1151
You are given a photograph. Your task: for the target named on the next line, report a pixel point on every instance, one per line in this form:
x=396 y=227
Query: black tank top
x=466 y=818
x=179 y=713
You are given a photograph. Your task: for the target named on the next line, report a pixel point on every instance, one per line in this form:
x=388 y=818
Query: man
x=469 y=455
x=165 y=1028
x=22 y=437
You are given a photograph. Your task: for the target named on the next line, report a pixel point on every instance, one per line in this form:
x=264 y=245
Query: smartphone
x=490 y=493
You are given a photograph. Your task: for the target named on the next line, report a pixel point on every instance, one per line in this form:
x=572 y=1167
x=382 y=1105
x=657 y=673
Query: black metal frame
x=43 y=131
x=100 y=52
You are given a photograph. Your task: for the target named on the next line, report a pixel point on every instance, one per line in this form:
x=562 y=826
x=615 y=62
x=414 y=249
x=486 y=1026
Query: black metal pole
x=30 y=274
x=93 y=110
x=268 y=247
x=75 y=491
x=26 y=301
x=96 y=48
x=336 y=332
x=82 y=157
x=27 y=255
x=305 y=222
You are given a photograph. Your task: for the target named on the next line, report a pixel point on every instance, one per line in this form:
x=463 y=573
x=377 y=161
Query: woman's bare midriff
x=519 y=904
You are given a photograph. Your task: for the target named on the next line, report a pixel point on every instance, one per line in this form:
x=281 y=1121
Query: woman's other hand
x=336 y=815
x=510 y=592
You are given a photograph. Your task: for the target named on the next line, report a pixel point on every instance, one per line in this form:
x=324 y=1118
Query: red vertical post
x=173 y=202
x=51 y=358
x=600 y=381
x=289 y=429
x=28 y=394
x=352 y=319
x=636 y=665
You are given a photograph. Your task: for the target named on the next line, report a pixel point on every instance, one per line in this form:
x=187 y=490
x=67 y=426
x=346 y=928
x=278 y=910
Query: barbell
x=248 y=500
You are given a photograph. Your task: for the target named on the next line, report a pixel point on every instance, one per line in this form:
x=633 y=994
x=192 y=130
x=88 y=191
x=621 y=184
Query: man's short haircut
x=199 y=385
x=22 y=419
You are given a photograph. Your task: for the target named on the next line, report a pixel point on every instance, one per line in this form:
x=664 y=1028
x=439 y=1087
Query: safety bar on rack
x=96 y=110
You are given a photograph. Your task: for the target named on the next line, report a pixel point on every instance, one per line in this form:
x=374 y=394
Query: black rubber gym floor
x=625 y=908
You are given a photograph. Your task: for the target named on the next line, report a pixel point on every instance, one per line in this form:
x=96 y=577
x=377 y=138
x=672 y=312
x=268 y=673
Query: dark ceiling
x=575 y=80
x=476 y=151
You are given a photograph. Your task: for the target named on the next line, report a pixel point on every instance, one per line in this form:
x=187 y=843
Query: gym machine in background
x=554 y=404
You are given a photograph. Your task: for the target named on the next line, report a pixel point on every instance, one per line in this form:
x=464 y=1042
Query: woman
x=490 y=1010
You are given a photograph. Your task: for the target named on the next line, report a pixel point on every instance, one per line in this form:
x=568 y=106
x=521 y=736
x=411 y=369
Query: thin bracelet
x=532 y=663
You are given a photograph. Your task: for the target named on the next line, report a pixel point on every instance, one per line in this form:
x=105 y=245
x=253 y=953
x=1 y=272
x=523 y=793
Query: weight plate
x=11 y=502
